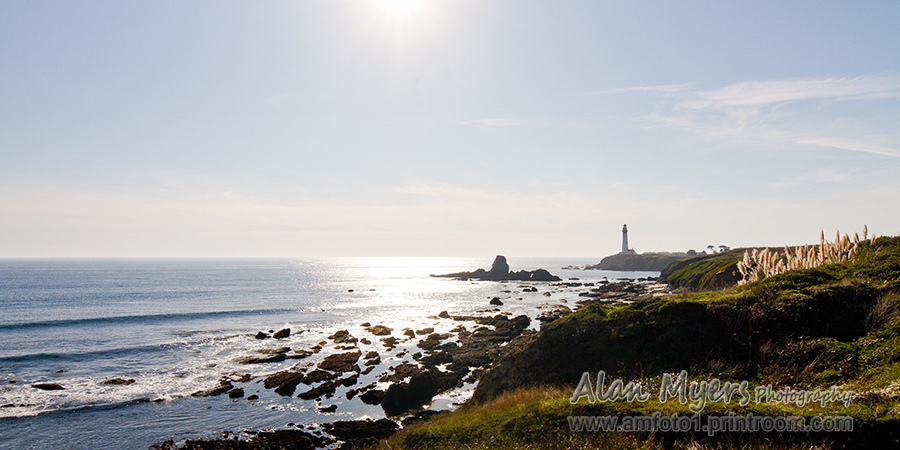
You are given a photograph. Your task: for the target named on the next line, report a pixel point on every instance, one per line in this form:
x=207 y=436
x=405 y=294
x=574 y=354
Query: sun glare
x=400 y=7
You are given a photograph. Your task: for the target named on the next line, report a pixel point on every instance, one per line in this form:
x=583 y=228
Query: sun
x=400 y=7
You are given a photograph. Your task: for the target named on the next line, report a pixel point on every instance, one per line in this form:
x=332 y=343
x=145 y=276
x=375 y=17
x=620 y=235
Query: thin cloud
x=856 y=146
x=785 y=113
x=758 y=93
x=659 y=88
x=497 y=123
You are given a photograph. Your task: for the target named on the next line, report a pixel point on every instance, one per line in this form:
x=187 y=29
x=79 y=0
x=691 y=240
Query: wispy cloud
x=794 y=113
x=498 y=122
x=758 y=93
x=659 y=89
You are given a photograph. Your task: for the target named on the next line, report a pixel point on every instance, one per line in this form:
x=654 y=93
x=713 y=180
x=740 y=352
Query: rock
x=444 y=315
x=542 y=275
x=372 y=397
x=223 y=387
x=365 y=324
x=325 y=389
x=342 y=336
x=299 y=354
x=380 y=330
x=424 y=331
x=119 y=381
x=278 y=439
x=500 y=268
x=419 y=417
x=328 y=409
x=318 y=376
x=436 y=358
x=500 y=272
x=284 y=382
x=401 y=397
x=48 y=387
x=373 y=362
x=260 y=360
x=432 y=341
x=236 y=393
x=356 y=430
x=390 y=342
x=349 y=381
x=274 y=351
x=260 y=335
x=496 y=301
x=365 y=341
x=281 y=334
x=409 y=333
x=400 y=372
x=253 y=397
x=372 y=355
x=555 y=313
x=341 y=362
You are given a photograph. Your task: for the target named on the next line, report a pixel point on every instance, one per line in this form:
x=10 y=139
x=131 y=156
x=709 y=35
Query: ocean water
x=177 y=326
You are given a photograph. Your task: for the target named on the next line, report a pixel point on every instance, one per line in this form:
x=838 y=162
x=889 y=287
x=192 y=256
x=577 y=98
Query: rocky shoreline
x=436 y=363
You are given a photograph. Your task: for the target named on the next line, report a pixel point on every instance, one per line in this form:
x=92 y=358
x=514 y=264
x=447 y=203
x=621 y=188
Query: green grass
x=536 y=418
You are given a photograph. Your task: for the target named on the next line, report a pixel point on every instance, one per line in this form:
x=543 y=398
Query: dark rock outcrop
x=278 y=439
x=500 y=272
x=236 y=393
x=48 y=387
x=223 y=387
x=341 y=362
x=284 y=382
x=422 y=387
x=380 y=330
x=343 y=337
x=361 y=432
x=372 y=397
x=281 y=334
x=325 y=389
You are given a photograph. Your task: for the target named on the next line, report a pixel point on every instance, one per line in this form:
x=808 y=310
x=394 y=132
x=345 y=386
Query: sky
x=443 y=127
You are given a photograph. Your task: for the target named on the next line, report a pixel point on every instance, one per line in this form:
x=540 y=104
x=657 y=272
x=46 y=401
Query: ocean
x=177 y=326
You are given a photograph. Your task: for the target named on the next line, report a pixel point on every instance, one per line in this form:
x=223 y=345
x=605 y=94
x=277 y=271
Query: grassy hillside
x=714 y=271
x=833 y=325
x=638 y=262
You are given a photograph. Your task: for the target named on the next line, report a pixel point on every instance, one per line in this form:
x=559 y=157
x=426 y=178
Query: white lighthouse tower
x=625 y=248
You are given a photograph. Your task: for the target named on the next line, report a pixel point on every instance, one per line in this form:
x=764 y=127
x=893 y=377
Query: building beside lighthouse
x=625 y=248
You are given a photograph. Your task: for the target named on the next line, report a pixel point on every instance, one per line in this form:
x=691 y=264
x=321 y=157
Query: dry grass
x=760 y=264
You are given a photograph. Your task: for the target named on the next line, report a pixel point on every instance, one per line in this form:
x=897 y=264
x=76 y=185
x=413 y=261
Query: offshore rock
x=281 y=334
x=284 y=382
x=341 y=362
x=500 y=272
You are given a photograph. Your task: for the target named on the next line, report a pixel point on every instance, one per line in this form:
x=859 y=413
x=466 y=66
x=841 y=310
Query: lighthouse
x=625 y=238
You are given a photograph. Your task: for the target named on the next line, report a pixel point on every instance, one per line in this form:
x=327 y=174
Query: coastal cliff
x=834 y=325
x=638 y=261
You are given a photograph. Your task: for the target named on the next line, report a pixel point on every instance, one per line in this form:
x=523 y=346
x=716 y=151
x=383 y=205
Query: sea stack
x=500 y=268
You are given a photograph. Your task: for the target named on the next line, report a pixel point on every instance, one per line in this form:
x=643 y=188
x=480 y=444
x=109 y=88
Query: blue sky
x=443 y=128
